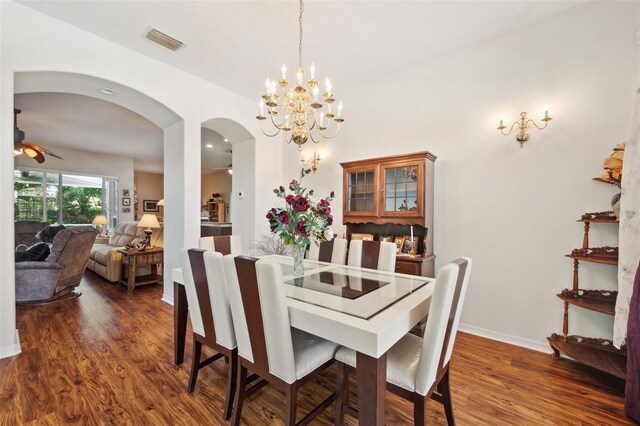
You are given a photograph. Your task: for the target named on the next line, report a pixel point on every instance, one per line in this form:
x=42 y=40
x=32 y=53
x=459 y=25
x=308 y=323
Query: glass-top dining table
x=363 y=309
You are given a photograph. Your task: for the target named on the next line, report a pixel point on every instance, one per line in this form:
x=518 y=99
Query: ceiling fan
x=21 y=146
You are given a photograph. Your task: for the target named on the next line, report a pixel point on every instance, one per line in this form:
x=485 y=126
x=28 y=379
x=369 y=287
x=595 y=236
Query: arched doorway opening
x=228 y=170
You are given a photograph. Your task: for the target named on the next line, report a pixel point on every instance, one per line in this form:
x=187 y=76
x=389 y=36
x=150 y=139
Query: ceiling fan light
x=17 y=152
x=30 y=151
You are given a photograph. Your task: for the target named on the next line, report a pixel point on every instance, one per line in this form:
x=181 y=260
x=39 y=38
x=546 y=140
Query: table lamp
x=148 y=221
x=100 y=220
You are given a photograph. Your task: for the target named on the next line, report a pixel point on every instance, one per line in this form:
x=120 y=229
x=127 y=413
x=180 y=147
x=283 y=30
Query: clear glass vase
x=298 y=257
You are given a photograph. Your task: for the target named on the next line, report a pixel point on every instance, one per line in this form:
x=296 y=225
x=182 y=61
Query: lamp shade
x=149 y=221
x=100 y=220
x=161 y=202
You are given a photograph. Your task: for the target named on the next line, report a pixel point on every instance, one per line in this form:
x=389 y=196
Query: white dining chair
x=211 y=322
x=380 y=255
x=267 y=345
x=417 y=367
x=334 y=251
x=225 y=244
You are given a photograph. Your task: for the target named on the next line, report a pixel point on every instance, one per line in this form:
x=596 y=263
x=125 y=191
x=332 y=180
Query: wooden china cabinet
x=385 y=197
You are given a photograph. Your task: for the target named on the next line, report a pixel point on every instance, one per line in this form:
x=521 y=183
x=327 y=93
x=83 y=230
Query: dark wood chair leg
x=292 y=406
x=195 y=364
x=445 y=390
x=232 y=373
x=342 y=392
x=241 y=383
x=418 y=410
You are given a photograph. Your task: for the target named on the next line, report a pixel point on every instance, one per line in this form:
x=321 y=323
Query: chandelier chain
x=300 y=41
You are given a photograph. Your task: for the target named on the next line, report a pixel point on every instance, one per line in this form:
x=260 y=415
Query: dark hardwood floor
x=107 y=358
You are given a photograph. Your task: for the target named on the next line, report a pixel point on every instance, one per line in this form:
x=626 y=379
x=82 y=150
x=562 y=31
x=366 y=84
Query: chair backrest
x=464 y=263
x=25 y=231
x=237 y=308
x=225 y=244
x=71 y=248
x=211 y=288
x=195 y=310
x=380 y=255
x=217 y=278
x=436 y=329
x=334 y=251
x=267 y=318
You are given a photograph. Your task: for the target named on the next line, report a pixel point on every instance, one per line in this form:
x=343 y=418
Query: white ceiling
x=218 y=157
x=90 y=124
x=237 y=44
x=86 y=123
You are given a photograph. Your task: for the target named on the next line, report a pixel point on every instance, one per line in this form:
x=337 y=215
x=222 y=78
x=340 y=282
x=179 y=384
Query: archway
x=229 y=136
x=81 y=85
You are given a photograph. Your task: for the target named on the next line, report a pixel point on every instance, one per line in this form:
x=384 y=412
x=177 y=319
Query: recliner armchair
x=61 y=272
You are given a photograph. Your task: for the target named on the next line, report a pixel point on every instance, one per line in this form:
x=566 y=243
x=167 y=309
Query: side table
x=132 y=258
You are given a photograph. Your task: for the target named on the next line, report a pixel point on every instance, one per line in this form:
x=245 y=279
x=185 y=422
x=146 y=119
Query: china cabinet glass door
x=360 y=187
x=402 y=190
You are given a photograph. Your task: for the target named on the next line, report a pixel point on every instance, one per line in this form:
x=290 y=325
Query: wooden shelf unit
x=596 y=353
x=216 y=211
x=603 y=301
x=599 y=354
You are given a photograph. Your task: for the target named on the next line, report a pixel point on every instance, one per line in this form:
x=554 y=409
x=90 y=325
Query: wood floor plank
x=107 y=358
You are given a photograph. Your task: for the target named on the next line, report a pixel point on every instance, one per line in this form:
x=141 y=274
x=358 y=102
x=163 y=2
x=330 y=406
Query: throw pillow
x=48 y=233
x=37 y=253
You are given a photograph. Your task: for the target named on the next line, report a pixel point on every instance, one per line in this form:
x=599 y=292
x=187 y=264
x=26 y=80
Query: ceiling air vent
x=164 y=39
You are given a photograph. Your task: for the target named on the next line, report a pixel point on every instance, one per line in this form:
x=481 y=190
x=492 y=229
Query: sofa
x=25 y=232
x=56 y=276
x=106 y=261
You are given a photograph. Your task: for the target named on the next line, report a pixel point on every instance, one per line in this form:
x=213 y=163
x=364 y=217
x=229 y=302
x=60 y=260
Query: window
x=63 y=198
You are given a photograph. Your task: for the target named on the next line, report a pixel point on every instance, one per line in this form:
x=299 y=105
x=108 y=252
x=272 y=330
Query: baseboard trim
x=11 y=350
x=507 y=338
x=168 y=300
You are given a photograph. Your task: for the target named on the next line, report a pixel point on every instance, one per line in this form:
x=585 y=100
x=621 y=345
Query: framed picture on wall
x=126 y=210
x=150 y=206
x=126 y=193
x=126 y=201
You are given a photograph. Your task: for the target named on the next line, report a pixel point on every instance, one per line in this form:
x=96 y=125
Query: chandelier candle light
x=299 y=111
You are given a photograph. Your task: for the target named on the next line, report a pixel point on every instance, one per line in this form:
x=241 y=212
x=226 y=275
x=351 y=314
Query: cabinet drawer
x=410 y=268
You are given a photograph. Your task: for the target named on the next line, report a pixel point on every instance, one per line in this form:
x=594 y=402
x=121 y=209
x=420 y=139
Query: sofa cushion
x=125 y=233
x=101 y=252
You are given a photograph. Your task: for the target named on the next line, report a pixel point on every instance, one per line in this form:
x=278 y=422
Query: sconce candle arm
x=546 y=121
x=501 y=128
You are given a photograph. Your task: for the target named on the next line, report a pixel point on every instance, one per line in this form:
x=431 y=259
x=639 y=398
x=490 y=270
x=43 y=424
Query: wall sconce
x=311 y=162
x=521 y=135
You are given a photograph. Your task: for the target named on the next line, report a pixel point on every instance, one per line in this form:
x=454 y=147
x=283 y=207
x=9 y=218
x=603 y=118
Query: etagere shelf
x=596 y=353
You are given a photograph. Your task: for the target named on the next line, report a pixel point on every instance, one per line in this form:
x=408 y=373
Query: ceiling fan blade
x=53 y=154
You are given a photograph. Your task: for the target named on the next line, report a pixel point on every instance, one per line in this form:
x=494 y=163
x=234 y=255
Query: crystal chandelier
x=299 y=112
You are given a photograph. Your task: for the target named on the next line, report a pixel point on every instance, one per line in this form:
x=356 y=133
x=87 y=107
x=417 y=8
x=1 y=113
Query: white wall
x=51 y=45
x=149 y=186
x=512 y=210
x=88 y=163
